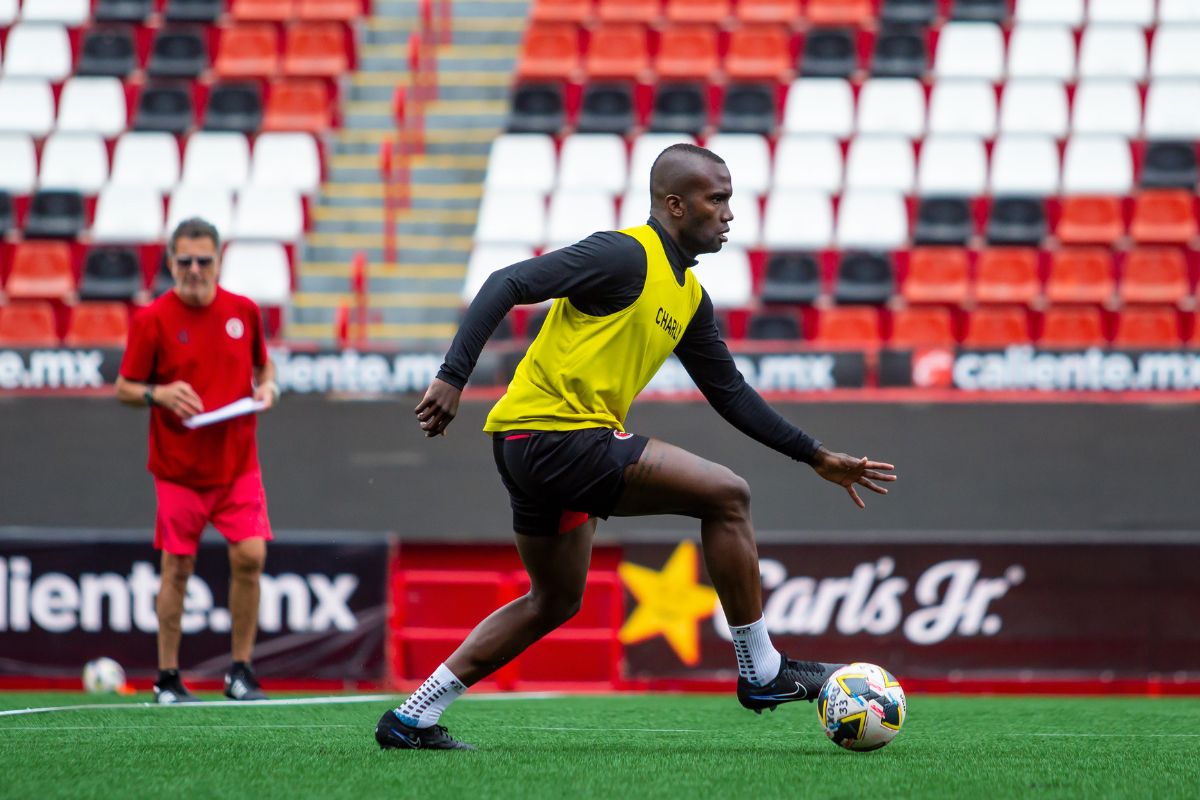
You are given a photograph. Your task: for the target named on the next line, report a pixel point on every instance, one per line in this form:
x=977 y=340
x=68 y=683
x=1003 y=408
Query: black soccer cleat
x=172 y=691
x=797 y=680
x=392 y=734
x=242 y=684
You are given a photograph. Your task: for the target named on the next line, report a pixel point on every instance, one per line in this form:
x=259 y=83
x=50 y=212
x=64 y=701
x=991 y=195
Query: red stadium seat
x=846 y=327
x=98 y=325
x=922 y=327
x=549 y=51
x=688 y=51
x=618 y=51
x=1090 y=220
x=1072 y=327
x=996 y=327
x=1081 y=275
x=759 y=52
x=297 y=105
x=841 y=12
x=574 y=11
x=1007 y=275
x=936 y=275
x=1163 y=217
x=1148 y=328
x=774 y=12
x=707 y=11
x=643 y=11
x=262 y=10
x=315 y=50
x=41 y=270
x=29 y=324
x=248 y=51
x=1154 y=275
x=330 y=10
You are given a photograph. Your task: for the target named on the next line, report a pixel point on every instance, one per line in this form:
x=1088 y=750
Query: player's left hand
x=437 y=408
x=848 y=472
x=266 y=394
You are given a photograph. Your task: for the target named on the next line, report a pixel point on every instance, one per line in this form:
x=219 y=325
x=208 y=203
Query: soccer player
x=197 y=348
x=625 y=301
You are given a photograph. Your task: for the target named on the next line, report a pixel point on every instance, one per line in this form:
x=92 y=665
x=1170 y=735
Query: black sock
x=240 y=665
x=166 y=676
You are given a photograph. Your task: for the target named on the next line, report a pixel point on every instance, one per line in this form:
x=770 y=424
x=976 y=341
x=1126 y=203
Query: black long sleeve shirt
x=602 y=275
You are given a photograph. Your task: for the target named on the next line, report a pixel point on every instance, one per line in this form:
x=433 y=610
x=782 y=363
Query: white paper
x=238 y=408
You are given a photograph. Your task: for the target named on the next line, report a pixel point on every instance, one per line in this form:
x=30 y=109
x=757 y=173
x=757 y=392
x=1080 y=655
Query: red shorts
x=238 y=510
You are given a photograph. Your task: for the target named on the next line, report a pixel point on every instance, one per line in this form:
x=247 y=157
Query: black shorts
x=557 y=480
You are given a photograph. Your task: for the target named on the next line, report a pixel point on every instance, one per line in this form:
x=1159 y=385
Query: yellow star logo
x=671 y=602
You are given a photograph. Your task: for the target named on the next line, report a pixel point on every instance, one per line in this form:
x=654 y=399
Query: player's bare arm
x=438 y=407
x=178 y=397
x=266 y=389
x=849 y=472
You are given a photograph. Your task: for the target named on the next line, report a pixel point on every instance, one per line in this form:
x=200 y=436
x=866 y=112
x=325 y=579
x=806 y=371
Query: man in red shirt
x=199 y=348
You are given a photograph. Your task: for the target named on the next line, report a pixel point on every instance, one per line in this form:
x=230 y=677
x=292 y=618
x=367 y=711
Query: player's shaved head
x=677 y=169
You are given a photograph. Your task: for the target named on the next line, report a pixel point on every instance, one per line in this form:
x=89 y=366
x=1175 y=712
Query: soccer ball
x=103 y=676
x=861 y=707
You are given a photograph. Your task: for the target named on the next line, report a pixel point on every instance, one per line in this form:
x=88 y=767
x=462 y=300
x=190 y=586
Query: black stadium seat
x=107 y=51
x=606 y=108
x=908 y=12
x=1169 y=165
x=110 y=273
x=943 y=220
x=135 y=11
x=164 y=281
x=194 y=10
x=829 y=53
x=178 y=53
x=900 y=53
x=680 y=108
x=538 y=108
x=981 y=11
x=791 y=278
x=749 y=108
x=234 y=107
x=8 y=217
x=773 y=325
x=55 y=214
x=164 y=107
x=1017 y=221
x=864 y=278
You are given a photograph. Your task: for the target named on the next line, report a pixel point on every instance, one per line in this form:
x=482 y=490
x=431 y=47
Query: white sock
x=424 y=707
x=758 y=660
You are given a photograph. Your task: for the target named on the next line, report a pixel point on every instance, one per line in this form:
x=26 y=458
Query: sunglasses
x=185 y=262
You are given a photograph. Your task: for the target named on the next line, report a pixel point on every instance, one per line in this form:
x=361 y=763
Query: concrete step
x=359 y=240
x=433 y=336
x=424 y=204
x=383 y=93
x=373 y=215
x=407 y=257
x=462 y=8
x=433 y=110
x=411 y=302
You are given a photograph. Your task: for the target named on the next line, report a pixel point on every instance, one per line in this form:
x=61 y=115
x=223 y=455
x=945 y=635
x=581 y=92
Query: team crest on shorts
x=622 y=435
x=235 y=328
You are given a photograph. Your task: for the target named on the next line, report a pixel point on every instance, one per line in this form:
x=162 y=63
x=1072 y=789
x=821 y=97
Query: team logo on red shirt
x=235 y=328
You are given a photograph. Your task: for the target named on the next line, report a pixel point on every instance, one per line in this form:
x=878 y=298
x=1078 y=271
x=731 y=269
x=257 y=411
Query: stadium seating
x=258 y=270
x=922 y=327
x=996 y=327
x=937 y=275
x=74 y=161
x=1006 y=275
x=41 y=270
x=852 y=327
x=1154 y=275
x=18 y=163
x=1147 y=328
x=1072 y=328
x=98 y=325
x=93 y=104
x=1081 y=275
x=594 y=161
x=28 y=324
x=148 y=159
x=110 y=273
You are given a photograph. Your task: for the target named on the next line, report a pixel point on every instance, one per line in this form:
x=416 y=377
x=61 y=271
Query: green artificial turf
x=685 y=746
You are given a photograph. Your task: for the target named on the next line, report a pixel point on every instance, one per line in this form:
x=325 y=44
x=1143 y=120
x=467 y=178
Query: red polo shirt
x=214 y=348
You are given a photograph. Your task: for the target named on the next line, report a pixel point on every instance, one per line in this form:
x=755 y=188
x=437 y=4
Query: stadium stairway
x=414 y=302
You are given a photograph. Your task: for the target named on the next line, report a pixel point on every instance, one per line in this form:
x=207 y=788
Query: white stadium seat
x=128 y=214
x=72 y=13
x=745 y=230
x=94 y=104
x=963 y=107
x=37 y=51
x=145 y=158
x=1172 y=110
x=290 y=160
x=635 y=207
x=798 y=219
x=9 y=12
x=26 y=106
x=594 y=161
x=75 y=161
x=1064 y=12
x=486 y=259
x=726 y=276
x=646 y=148
x=819 y=105
x=880 y=162
x=970 y=50
x=748 y=159
x=1034 y=106
x=952 y=165
x=1113 y=51
x=1097 y=165
x=210 y=203
x=273 y=213
x=18 y=163
x=1107 y=106
x=578 y=213
x=872 y=220
x=1171 y=11
x=892 y=105
x=220 y=160
x=808 y=162
x=523 y=161
x=1025 y=165
x=1041 y=51
x=1131 y=12
x=1175 y=52
x=258 y=270
x=511 y=217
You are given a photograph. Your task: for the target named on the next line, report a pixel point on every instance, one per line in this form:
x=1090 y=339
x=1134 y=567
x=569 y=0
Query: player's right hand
x=438 y=407
x=180 y=398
